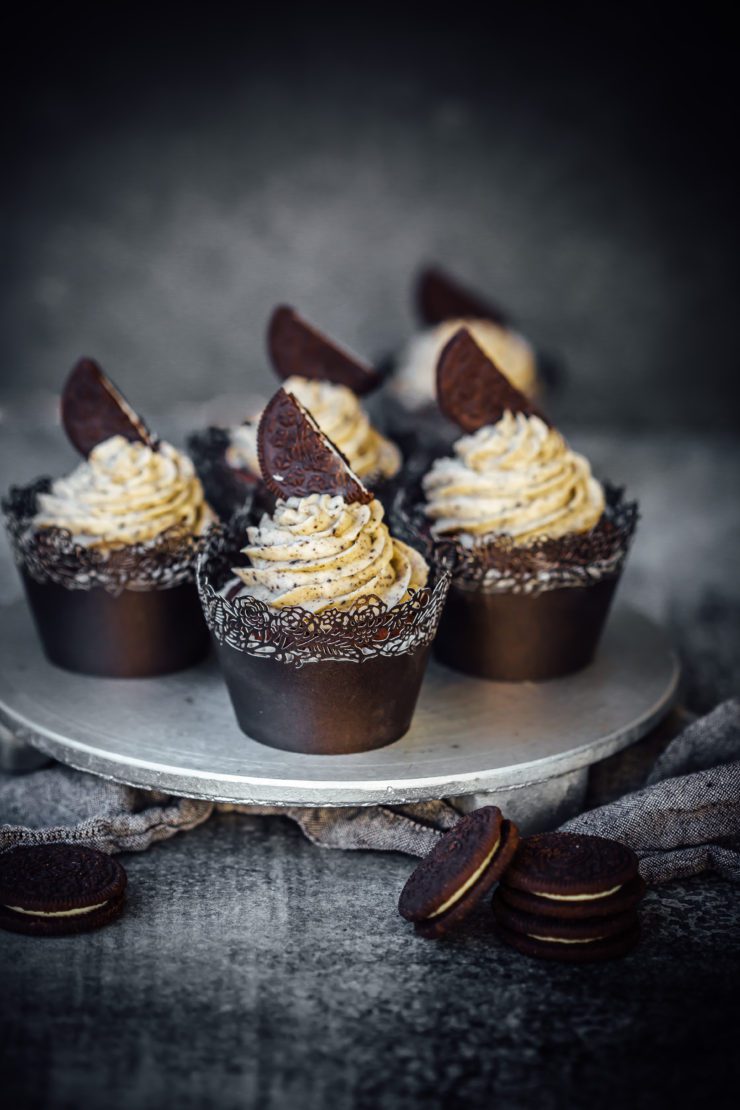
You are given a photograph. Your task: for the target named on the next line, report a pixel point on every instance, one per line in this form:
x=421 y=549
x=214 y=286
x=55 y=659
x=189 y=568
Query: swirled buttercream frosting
x=517 y=478
x=415 y=380
x=320 y=552
x=339 y=414
x=125 y=493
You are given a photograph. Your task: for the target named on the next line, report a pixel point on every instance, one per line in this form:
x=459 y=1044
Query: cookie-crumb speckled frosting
x=320 y=552
x=414 y=382
x=339 y=414
x=517 y=478
x=125 y=493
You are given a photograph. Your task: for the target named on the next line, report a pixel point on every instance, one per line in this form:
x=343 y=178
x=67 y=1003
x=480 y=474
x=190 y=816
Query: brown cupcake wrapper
x=51 y=556
x=227 y=489
x=520 y=637
x=576 y=560
x=324 y=684
x=324 y=708
x=130 y=613
x=131 y=634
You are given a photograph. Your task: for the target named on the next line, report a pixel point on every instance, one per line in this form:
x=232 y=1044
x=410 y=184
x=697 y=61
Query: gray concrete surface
x=253 y=970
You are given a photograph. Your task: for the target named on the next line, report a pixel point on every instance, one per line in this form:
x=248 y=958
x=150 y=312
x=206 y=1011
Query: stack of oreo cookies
x=569 y=897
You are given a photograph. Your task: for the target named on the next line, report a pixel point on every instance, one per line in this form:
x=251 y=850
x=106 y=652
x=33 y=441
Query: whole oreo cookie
x=626 y=898
x=561 y=929
x=295 y=348
x=297 y=459
x=59 y=889
x=569 y=866
x=93 y=410
x=471 y=390
x=461 y=868
x=574 y=952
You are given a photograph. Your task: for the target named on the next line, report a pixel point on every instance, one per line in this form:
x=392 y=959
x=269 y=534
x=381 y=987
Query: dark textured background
x=167 y=181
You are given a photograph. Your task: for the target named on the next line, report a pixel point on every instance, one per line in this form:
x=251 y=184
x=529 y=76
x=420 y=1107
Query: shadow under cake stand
x=524 y=746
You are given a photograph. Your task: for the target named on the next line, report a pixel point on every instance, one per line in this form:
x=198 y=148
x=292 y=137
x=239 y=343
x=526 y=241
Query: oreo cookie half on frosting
x=450 y=882
x=297 y=349
x=51 y=890
x=440 y=297
x=297 y=459
x=93 y=409
x=471 y=390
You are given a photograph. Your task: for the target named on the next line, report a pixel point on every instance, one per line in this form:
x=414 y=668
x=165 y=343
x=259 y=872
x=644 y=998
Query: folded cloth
x=685 y=819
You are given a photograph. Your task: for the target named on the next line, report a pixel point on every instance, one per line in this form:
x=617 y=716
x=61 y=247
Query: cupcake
x=444 y=307
x=328 y=382
x=538 y=543
x=107 y=554
x=322 y=620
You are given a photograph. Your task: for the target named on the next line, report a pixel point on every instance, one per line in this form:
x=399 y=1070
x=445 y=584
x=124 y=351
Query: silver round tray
x=178 y=733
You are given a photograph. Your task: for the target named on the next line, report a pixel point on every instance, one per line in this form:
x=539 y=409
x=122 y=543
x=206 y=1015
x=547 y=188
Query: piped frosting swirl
x=339 y=414
x=320 y=552
x=517 y=478
x=125 y=493
x=415 y=380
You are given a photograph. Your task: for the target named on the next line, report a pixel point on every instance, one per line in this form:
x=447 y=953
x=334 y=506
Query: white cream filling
x=562 y=940
x=466 y=886
x=577 y=897
x=57 y=913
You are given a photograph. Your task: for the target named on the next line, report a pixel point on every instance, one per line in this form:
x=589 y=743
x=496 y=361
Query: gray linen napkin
x=685 y=819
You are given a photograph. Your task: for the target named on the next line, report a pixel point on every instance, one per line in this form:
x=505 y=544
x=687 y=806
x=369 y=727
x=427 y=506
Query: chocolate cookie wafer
x=59 y=889
x=448 y=884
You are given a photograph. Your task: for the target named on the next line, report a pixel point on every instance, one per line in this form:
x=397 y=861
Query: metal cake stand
x=531 y=742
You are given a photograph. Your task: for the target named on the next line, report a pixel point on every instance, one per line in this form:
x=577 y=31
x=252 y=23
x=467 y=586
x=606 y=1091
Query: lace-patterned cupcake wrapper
x=294 y=635
x=499 y=566
x=226 y=488
x=51 y=555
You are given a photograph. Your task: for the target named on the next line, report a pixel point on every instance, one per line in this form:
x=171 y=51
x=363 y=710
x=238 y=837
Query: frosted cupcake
x=328 y=382
x=107 y=554
x=539 y=543
x=323 y=621
x=443 y=308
